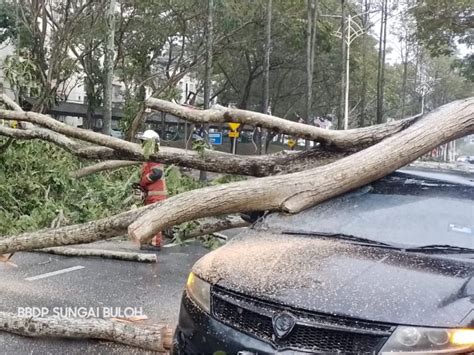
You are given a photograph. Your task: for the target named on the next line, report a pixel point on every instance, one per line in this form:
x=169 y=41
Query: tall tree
x=310 y=52
x=365 y=8
x=267 y=46
x=208 y=70
x=381 y=61
x=340 y=116
x=109 y=68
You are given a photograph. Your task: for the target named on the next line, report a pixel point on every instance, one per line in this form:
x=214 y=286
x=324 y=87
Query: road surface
x=43 y=280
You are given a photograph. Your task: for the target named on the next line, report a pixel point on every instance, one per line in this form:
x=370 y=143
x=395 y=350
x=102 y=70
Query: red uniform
x=153 y=182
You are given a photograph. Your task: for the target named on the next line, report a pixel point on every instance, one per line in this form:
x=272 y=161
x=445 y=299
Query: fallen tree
x=294 y=192
x=144 y=337
x=289 y=193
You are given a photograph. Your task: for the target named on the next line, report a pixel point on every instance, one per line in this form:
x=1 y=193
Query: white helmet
x=149 y=134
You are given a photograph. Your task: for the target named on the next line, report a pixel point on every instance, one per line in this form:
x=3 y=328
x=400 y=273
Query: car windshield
x=396 y=219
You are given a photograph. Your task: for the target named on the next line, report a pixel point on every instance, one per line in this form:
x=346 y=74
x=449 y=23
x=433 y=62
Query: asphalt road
x=155 y=288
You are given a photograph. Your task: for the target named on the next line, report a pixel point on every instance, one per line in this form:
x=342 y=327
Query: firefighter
x=153 y=185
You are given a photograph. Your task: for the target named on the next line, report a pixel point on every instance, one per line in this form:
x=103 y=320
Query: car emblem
x=283 y=324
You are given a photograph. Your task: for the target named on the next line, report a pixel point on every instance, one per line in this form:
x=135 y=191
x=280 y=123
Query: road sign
x=291 y=143
x=234 y=134
x=215 y=138
x=234 y=126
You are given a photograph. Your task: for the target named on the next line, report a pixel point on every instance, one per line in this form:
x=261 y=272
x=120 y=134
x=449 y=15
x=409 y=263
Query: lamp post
x=353 y=31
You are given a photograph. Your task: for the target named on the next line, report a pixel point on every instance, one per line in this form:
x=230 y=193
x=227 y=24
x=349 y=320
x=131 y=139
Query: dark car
x=386 y=268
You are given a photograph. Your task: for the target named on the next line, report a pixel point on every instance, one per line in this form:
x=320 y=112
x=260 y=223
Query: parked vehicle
x=386 y=268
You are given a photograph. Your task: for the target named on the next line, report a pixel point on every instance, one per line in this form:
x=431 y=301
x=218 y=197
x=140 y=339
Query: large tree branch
x=110 y=148
x=295 y=192
x=339 y=140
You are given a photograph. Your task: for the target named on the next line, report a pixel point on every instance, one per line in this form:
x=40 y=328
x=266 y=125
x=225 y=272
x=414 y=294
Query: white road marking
x=54 y=273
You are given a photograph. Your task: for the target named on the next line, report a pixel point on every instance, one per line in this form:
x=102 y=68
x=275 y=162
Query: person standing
x=152 y=183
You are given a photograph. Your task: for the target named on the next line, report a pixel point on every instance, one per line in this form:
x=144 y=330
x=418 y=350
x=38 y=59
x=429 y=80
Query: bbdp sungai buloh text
x=80 y=312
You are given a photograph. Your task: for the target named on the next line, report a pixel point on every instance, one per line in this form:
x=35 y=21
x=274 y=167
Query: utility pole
x=208 y=72
x=109 y=69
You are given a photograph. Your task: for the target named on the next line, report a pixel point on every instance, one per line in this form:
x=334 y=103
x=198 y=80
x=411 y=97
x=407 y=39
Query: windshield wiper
x=342 y=236
x=440 y=248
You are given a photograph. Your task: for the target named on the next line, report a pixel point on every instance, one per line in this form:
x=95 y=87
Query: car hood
x=345 y=279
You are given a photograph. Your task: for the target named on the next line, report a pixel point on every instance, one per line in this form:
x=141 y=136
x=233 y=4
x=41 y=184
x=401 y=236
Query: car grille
x=312 y=332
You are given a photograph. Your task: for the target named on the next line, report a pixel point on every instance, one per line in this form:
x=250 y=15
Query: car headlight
x=430 y=340
x=199 y=291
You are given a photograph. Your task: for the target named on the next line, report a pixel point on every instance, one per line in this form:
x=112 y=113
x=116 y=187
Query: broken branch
x=106 y=254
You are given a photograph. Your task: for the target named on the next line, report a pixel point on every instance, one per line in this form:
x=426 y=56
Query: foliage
x=35 y=185
x=177 y=183
x=7 y=22
x=441 y=23
x=200 y=147
x=22 y=74
x=150 y=147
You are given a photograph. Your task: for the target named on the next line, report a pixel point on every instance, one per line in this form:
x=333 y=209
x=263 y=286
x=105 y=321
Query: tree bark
x=294 y=192
x=148 y=338
x=101 y=253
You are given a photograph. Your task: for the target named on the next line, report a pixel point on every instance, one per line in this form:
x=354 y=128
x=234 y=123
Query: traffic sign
x=234 y=126
x=215 y=138
x=291 y=143
x=234 y=134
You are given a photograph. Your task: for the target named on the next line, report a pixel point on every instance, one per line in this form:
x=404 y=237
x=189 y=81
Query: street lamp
x=354 y=30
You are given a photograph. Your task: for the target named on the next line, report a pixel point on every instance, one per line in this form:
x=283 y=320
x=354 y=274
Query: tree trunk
x=340 y=116
x=267 y=47
x=381 y=62
x=363 y=94
x=310 y=44
x=294 y=192
x=148 y=338
x=208 y=72
x=109 y=69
